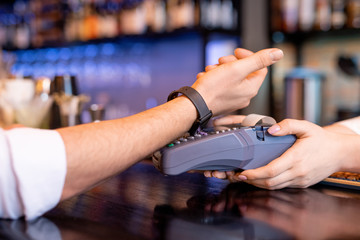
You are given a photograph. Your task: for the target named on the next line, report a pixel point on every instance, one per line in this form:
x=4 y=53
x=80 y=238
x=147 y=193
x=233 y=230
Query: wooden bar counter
x=141 y=203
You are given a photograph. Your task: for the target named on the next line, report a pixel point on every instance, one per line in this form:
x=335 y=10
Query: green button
x=171 y=145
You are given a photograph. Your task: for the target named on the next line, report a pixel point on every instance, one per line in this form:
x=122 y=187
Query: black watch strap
x=203 y=111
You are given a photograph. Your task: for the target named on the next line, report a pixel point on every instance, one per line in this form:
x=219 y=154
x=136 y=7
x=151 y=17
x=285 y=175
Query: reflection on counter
x=297 y=211
x=190 y=206
x=195 y=224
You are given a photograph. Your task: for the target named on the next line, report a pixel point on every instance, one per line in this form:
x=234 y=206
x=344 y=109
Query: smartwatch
x=204 y=114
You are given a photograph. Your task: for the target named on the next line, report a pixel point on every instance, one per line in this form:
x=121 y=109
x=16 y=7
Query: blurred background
x=106 y=59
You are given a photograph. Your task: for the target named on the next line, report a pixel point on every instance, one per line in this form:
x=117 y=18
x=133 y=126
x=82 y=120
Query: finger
x=291 y=126
x=241 y=53
x=230 y=119
x=271 y=170
x=230 y=174
x=282 y=180
x=199 y=75
x=259 y=60
x=219 y=174
x=207 y=174
x=210 y=67
x=227 y=59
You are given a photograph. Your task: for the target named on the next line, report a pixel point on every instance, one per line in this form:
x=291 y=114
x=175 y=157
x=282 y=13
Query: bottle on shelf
x=22 y=32
x=132 y=18
x=155 y=15
x=307 y=15
x=290 y=15
x=353 y=11
x=338 y=16
x=108 y=23
x=90 y=23
x=37 y=23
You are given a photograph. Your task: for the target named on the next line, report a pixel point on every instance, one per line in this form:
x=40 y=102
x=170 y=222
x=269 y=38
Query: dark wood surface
x=141 y=203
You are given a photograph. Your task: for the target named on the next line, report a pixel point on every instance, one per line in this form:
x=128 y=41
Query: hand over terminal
x=223 y=148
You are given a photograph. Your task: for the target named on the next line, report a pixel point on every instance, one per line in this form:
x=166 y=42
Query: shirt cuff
x=352 y=123
x=39 y=165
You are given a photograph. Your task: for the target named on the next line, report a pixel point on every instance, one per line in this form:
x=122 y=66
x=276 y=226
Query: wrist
x=203 y=112
x=350 y=145
x=339 y=128
x=183 y=113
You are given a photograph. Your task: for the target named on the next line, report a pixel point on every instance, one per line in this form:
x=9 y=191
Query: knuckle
x=269 y=184
x=254 y=92
x=286 y=123
x=302 y=172
x=303 y=122
x=199 y=75
x=226 y=59
x=246 y=103
x=208 y=68
x=271 y=172
x=303 y=183
x=261 y=61
x=222 y=59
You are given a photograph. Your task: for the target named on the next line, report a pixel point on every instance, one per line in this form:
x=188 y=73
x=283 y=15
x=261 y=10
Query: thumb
x=259 y=60
x=291 y=126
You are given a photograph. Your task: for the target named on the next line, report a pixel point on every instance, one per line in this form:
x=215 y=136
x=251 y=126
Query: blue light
x=65 y=54
x=91 y=51
x=52 y=54
x=75 y=68
x=278 y=37
x=38 y=69
x=49 y=70
x=108 y=49
x=16 y=68
x=78 y=52
x=39 y=55
x=11 y=19
x=28 y=56
x=20 y=55
x=27 y=70
x=90 y=68
x=62 y=68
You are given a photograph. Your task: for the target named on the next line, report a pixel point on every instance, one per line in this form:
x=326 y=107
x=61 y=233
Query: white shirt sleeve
x=352 y=123
x=32 y=172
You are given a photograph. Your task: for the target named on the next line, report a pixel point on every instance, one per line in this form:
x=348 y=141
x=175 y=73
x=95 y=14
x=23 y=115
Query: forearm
x=349 y=126
x=350 y=152
x=349 y=142
x=114 y=145
x=348 y=147
x=339 y=128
